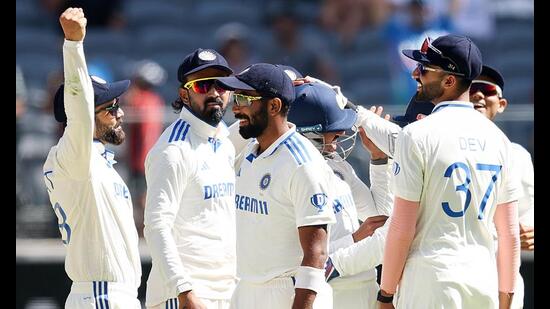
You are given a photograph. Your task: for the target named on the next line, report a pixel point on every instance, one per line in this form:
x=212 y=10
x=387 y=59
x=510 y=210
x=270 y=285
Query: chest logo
x=319 y=200
x=266 y=180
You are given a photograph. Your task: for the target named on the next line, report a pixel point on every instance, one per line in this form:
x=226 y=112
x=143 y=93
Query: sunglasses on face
x=427 y=44
x=244 y=100
x=424 y=69
x=111 y=109
x=203 y=85
x=485 y=87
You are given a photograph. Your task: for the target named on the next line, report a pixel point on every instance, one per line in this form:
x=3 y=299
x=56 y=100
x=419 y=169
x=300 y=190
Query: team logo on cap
x=244 y=71
x=98 y=79
x=266 y=180
x=291 y=74
x=319 y=200
x=207 y=55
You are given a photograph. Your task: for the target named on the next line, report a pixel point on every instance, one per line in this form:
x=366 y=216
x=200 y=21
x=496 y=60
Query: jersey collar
x=445 y=104
x=105 y=153
x=202 y=128
x=273 y=147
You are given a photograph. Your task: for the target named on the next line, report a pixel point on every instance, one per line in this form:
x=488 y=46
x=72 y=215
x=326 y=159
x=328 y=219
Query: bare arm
x=313 y=240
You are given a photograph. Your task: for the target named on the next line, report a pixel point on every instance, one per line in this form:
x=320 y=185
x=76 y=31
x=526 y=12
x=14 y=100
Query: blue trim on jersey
x=183 y=125
x=185 y=132
x=451 y=105
x=174 y=130
x=302 y=147
x=46 y=175
x=251 y=157
x=106 y=299
x=293 y=153
x=282 y=142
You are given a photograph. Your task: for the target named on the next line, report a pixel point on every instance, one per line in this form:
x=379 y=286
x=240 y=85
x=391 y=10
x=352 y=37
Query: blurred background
x=352 y=43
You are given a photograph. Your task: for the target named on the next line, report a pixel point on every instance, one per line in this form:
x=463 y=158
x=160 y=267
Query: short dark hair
x=462 y=84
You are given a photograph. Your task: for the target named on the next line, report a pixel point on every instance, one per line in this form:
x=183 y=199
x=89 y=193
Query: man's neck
x=273 y=131
x=464 y=97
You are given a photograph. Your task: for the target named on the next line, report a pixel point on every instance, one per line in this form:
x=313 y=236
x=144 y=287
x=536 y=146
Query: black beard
x=254 y=128
x=214 y=116
x=109 y=134
x=429 y=91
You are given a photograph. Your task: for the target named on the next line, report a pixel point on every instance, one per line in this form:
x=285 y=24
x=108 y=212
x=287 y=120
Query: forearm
x=398 y=241
x=508 y=254
x=361 y=256
x=380 y=176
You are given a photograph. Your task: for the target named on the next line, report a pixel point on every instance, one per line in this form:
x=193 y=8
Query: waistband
x=103 y=288
x=283 y=282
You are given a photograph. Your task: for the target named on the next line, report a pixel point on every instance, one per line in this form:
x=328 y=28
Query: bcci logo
x=319 y=200
x=265 y=181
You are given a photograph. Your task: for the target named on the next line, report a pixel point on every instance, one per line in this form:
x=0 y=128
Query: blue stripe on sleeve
x=293 y=152
x=185 y=132
x=301 y=147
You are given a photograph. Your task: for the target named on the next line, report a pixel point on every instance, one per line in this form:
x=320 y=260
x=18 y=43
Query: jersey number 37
x=464 y=187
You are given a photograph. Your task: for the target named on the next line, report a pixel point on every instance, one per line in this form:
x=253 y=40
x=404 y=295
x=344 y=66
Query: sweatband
x=310 y=278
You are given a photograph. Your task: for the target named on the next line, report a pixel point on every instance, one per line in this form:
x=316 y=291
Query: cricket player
x=452 y=182
x=90 y=199
x=283 y=199
x=190 y=208
x=486 y=93
x=317 y=116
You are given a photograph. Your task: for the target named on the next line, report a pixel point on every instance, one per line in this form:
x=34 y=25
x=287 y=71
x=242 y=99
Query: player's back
x=466 y=162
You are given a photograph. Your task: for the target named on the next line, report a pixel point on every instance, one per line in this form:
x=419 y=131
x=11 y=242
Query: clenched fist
x=73 y=23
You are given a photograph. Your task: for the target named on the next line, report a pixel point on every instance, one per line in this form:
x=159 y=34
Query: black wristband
x=384 y=299
x=379 y=161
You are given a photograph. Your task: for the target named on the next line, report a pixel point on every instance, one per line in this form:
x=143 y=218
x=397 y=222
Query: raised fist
x=73 y=23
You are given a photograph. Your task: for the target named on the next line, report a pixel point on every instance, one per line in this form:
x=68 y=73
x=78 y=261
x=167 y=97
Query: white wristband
x=310 y=278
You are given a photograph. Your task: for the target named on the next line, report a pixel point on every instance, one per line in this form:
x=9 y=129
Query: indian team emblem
x=207 y=55
x=319 y=200
x=396 y=168
x=98 y=79
x=291 y=74
x=266 y=180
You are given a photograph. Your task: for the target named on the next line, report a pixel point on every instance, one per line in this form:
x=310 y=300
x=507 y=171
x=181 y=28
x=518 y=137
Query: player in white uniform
x=283 y=199
x=317 y=116
x=486 y=93
x=452 y=180
x=91 y=201
x=190 y=210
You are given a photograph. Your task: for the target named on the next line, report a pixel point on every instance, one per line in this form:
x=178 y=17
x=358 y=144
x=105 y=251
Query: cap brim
x=416 y=55
x=116 y=89
x=210 y=65
x=346 y=123
x=233 y=83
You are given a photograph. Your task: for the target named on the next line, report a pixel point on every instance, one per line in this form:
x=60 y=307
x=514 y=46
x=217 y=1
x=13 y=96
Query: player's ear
x=184 y=95
x=502 y=104
x=275 y=106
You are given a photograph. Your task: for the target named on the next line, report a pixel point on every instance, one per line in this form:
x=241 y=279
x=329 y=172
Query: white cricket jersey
x=380 y=131
x=523 y=170
x=456 y=163
x=285 y=187
x=190 y=211
x=91 y=201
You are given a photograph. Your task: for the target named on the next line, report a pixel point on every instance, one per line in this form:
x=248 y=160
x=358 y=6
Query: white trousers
x=102 y=295
x=173 y=303
x=275 y=294
x=355 y=294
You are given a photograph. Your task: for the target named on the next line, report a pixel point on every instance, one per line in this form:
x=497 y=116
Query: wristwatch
x=384 y=299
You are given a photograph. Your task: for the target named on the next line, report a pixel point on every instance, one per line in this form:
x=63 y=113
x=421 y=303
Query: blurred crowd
x=352 y=43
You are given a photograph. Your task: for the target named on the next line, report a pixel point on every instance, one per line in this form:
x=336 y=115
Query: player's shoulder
x=297 y=150
x=520 y=151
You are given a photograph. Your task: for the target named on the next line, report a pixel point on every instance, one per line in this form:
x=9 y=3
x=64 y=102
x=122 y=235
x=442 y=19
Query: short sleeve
x=310 y=194
x=408 y=168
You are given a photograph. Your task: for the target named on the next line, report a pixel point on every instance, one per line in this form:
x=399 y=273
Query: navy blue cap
x=267 y=79
x=414 y=108
x=290 y=71
x=201 y=59
x=316 y=109
x=457 y=54
x=493 y=74
x=103 y=92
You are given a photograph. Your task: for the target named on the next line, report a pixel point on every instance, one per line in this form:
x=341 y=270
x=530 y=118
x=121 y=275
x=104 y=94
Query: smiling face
x=108 y=123
x=253 y=119
x=487 y=102
x=207 y=101
x=429 y=83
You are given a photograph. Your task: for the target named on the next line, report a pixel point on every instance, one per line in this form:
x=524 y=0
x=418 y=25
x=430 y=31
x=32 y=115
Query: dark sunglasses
x=487 y=88
x=111 y=109
x=203 y=85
